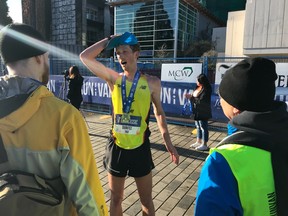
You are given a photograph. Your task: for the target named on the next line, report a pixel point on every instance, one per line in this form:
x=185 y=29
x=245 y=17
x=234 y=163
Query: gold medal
x=125 y=118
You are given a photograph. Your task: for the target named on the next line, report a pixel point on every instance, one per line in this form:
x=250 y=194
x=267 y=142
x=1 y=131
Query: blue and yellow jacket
x=238 y=180
x=47 y=136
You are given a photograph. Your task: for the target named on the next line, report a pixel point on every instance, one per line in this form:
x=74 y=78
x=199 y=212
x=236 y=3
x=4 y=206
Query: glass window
x=187 y=24
x=154 y=24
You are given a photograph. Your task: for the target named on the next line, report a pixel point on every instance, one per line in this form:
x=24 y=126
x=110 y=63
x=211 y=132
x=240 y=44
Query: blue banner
x=96 y=90
x=172 y=98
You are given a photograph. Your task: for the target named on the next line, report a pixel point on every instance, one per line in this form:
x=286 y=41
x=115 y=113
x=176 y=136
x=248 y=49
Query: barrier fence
x=177 y=76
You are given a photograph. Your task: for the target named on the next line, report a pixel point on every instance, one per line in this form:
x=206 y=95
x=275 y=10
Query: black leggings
x=76 y=103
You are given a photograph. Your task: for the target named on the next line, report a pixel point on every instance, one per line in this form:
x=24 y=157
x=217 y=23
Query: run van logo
x=181 y=74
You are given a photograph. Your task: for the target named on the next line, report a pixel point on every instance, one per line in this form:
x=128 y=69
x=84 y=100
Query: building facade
x=220 y=8
x=259 y=30
x=69 y=24
x=266 y=28
x=165 y=28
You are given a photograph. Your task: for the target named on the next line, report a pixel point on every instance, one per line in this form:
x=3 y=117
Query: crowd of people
x=246 y=174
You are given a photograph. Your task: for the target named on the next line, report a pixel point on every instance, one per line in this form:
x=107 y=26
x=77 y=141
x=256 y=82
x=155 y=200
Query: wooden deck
x=174 y=187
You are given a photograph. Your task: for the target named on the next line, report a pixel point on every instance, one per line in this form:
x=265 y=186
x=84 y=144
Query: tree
x=197 y=48
x=203 y=43
x=152 y=19
x=212 y=57
x=4 y=17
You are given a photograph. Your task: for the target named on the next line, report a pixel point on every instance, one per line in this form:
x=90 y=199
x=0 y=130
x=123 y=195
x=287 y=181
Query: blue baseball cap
x=125 y=39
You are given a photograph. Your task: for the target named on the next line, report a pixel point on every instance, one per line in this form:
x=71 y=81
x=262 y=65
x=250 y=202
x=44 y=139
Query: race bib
x=126 y=125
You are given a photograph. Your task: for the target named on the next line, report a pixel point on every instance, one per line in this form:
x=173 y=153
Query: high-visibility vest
x=253 y=171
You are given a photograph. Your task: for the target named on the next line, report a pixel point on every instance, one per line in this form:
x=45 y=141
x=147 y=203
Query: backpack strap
x=4 y=164
x=279 y=159
x=3 y=153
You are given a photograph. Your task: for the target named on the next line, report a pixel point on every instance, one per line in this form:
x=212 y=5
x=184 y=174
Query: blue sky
x=15 y=11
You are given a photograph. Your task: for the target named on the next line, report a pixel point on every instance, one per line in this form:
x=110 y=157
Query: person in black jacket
x=246 y=174
x=201 y=101
x=74 y=88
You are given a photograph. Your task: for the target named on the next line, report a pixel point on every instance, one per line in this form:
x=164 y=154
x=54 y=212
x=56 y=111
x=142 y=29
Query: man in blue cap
x=128 y=149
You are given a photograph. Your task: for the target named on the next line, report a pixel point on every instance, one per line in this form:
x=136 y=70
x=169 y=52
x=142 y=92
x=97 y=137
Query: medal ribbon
x=127 y=102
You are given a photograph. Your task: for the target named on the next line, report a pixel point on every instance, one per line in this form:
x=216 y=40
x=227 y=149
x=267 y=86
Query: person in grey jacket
x=42 y=134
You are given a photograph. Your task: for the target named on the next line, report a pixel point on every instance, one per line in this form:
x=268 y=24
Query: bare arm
x=155 y=88
x=88 y=57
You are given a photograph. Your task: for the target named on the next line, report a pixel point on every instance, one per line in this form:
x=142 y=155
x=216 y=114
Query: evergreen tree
x=4 y=17
x=147 y=20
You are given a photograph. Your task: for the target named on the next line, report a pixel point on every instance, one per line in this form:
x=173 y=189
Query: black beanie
x=250 y=85
x=17 y=42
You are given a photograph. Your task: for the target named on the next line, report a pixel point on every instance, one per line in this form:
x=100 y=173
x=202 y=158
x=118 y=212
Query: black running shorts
x=133 y=162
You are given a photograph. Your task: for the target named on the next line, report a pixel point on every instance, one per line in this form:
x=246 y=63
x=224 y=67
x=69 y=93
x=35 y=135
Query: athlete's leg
x=144 y=186
x=116 y=185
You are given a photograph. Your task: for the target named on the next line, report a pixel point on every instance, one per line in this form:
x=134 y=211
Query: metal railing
x=145 y=65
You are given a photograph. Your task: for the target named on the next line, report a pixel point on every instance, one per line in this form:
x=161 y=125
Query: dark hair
x=135 y=47
x=74 y=70
x=202 y=79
